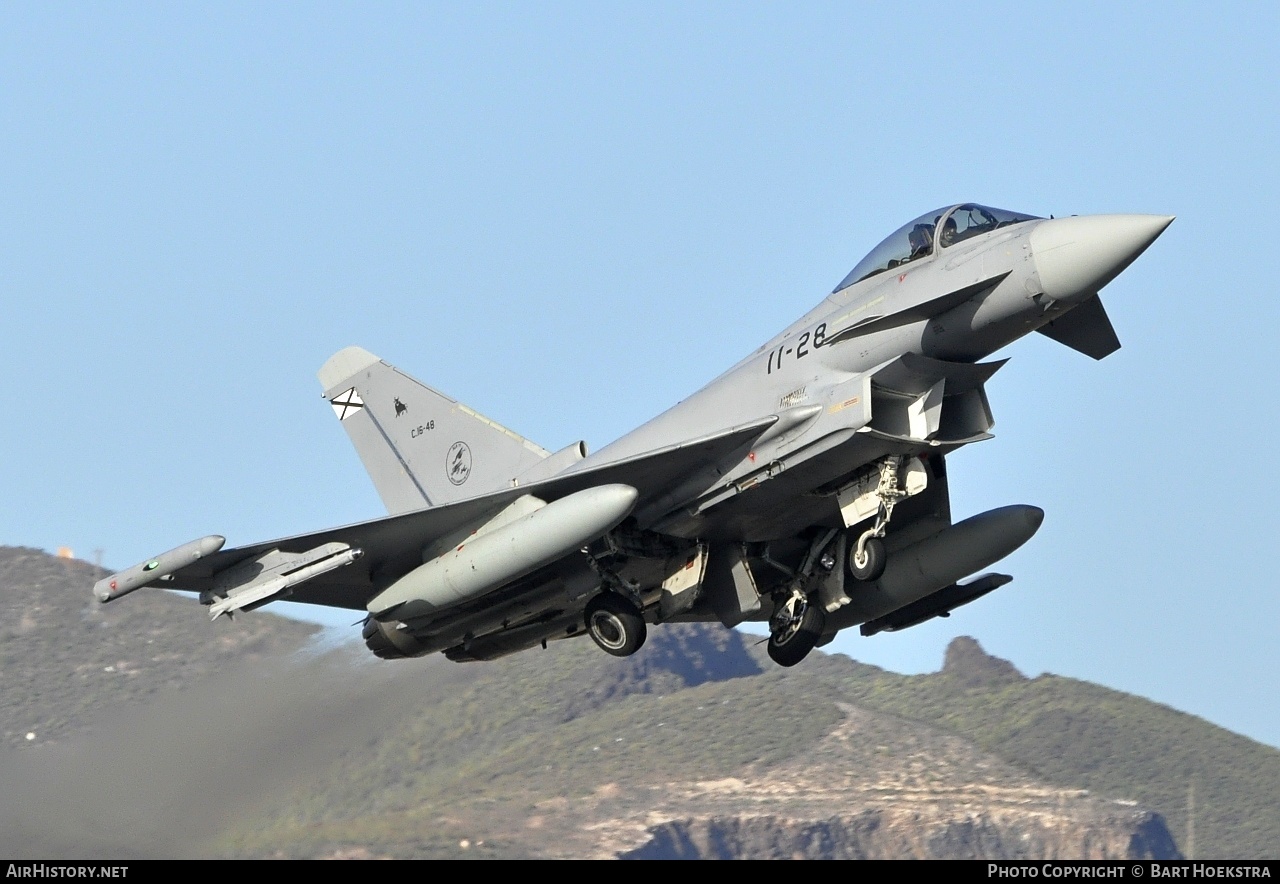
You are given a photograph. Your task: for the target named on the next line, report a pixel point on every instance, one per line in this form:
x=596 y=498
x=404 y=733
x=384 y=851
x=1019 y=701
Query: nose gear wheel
x=867 y=558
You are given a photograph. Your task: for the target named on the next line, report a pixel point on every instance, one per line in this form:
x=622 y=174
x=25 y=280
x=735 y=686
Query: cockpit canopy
x=915 y=240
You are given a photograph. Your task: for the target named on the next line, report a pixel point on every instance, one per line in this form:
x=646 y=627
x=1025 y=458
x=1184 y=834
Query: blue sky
x=571 y=215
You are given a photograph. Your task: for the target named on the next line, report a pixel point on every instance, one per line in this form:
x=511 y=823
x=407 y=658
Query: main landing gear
x=794 y=629
x=798 y=620
x=615 y=624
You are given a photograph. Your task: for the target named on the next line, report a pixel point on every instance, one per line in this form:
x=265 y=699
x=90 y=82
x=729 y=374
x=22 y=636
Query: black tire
x=873 y=560
x=793 y=642
x=615 y=624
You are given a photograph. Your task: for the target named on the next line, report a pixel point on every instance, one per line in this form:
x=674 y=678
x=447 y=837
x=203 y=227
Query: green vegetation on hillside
x=566 y=721
x=1077 y=734
x=453 y=750
x=563 y=722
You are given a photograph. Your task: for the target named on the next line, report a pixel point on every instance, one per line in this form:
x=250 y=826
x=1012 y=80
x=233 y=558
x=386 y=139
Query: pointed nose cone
x=1077 y=256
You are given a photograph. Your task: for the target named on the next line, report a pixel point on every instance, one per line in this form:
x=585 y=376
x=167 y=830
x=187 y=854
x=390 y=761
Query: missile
x=111 y=588
x=937 y=562
x=287 y=572
x=487 y=561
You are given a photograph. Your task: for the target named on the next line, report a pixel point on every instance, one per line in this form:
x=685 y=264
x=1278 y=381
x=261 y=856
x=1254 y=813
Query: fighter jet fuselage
x=806 y=486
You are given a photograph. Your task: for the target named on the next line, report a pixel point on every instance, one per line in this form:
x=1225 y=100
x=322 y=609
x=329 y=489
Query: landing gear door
x=683 y=584
x=861 y=499
x=730 y=585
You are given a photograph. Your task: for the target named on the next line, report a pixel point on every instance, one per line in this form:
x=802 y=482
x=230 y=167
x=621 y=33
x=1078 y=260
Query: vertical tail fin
x=420 y=447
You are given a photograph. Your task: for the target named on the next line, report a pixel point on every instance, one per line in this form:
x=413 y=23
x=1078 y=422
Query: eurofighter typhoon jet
x=806 y=487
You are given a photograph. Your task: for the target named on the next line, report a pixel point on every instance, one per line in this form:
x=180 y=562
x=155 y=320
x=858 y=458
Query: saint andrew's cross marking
x=346 y=404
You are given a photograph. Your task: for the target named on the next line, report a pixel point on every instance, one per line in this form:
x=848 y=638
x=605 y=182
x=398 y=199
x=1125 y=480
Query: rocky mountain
x=768 y=763
x=157 y=733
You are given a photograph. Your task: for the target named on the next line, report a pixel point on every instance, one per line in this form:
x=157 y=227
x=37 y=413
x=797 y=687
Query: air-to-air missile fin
x=1086 y=329
x=420 y=447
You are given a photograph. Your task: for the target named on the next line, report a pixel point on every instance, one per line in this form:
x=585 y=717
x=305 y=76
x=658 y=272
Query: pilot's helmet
x=921 y=239
x=949 y=232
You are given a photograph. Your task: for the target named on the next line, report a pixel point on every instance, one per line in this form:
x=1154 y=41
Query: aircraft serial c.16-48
x=805 y=487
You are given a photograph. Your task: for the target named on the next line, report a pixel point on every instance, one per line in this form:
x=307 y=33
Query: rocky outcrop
x=676 y=656
x=885 y=834
x=877 y=787
x=969 y=664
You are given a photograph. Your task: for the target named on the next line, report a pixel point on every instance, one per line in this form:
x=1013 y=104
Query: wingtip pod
x=111 y=588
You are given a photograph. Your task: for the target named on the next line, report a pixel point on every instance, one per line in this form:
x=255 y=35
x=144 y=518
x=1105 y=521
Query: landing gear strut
x=867 y=557
x=794 y=629
x=615 y=624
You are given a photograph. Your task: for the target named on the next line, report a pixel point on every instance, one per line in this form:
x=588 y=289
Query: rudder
x=420 y=447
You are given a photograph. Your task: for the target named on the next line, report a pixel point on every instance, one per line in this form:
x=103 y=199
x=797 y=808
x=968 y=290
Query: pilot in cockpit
x=948 y=232
x=921 y=239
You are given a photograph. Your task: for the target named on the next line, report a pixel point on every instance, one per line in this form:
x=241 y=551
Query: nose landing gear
x=867 y=557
